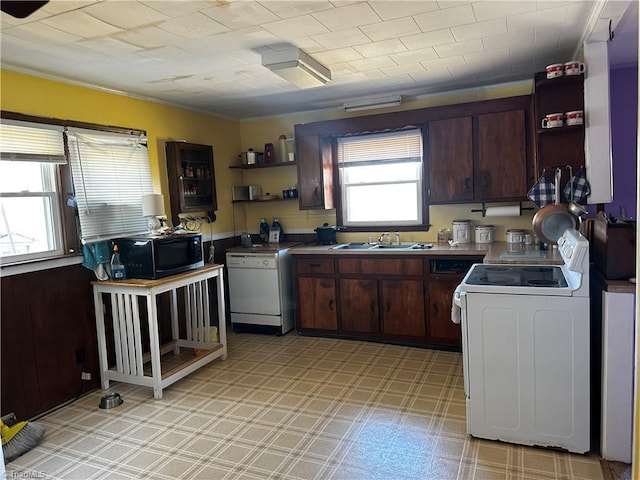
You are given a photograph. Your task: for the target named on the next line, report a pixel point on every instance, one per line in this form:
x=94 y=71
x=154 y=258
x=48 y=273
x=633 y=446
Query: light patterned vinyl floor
x=292 y=407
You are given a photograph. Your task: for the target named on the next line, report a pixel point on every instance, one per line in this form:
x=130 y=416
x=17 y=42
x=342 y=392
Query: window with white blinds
x=30 y=210
x=380 y=178
x=110 y=175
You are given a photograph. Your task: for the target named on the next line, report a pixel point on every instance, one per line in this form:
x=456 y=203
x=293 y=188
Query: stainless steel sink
x=380 y=246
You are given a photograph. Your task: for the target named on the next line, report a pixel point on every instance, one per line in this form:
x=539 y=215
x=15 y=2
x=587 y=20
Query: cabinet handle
x=388 y=307
x=486 y=181
x=435 y=309
x=467 y=183
x=331 y=305
x=372 y=307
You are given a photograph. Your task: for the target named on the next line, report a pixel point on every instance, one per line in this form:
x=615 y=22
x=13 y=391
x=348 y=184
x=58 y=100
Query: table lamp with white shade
x=152 y=207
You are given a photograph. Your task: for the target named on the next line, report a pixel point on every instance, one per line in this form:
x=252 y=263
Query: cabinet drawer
x=315 y=266
x=384 y=266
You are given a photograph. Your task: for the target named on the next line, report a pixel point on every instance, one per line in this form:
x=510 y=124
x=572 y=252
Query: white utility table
x=125 y=313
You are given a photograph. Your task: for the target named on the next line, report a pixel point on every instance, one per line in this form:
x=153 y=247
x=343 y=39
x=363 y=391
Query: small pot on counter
x=326 y=235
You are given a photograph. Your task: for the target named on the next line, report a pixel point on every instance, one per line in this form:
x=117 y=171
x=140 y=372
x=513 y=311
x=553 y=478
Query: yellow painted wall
x=255 y=133
x=37 y=96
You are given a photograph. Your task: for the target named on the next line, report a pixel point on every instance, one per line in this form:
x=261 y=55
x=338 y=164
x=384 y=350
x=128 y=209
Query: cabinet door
x=315 y=172
x=450 y=153
x=192 y=184
x=317 y=306
x=402 y=307
x=441 y=329
x=359 y=305
x=502 y=159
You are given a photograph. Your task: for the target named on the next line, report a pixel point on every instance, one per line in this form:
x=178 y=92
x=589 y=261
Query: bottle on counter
x=276 y=224
x=264 y=230
x=117 y=268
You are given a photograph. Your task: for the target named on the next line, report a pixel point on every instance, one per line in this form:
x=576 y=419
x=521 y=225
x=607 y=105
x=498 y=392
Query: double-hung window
x=380 y=178
x=30 y=210
x=110 y=174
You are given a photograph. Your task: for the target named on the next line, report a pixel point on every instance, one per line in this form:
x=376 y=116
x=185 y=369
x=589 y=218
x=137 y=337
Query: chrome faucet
x=385 y=234
x=397 y=238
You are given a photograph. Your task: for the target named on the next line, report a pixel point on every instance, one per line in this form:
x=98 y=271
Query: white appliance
x=260 y=289
x=525 y=347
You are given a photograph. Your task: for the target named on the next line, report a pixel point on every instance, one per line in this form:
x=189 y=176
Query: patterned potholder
x=580 y=186
x=543 y=192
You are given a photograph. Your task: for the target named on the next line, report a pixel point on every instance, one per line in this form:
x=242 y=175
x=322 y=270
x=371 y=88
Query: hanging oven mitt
x=543 y=192
x=580 y=187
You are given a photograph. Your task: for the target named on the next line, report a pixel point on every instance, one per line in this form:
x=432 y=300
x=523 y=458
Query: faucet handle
x=397 y=238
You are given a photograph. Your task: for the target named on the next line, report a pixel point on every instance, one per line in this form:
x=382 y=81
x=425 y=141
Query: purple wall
x=624 y=135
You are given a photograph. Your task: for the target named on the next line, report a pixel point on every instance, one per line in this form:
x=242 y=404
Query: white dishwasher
x=260 y=289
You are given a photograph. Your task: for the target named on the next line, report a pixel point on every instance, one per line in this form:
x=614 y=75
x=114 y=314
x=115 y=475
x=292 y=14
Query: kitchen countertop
x=496 y=252
x=264 y=247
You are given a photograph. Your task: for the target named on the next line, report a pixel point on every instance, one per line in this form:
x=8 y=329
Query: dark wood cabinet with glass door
x=192 y=184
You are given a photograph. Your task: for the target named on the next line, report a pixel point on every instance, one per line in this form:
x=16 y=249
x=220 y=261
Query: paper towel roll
x=510 y=211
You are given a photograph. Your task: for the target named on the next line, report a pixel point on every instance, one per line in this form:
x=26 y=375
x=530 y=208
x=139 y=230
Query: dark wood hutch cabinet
x=192 y=183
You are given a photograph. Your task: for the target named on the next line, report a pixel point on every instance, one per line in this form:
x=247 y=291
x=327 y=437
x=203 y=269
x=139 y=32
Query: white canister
x=515 y=235
x=484 y=233
x=462 y=231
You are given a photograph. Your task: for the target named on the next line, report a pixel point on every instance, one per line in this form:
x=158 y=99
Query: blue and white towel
x=580 y=187
x=543 y=192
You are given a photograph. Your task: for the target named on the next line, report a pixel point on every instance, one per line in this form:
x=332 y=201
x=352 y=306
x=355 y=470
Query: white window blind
x=30 y=217
x=381 y=178
x=110 y=175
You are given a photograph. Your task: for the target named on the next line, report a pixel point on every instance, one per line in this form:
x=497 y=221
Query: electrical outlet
x=86 y=376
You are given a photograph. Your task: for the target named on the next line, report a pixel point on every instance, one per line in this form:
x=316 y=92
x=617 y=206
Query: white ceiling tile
x=450 y=17
x=428 y=39
x=443 y=62
x=521 y=37
x=109 y=46
x=414 y=56
x=349 y=16
x=496 y=58
x=435 y=74
x=193 y=25
x=341 y=39
x=297 y=27
x=497 y=9
x=129 y=15
x=391 y=29
x=452 y=3
x=372 y=63
x=338 y=55
x=56 y=8
x=384 y=47
x=407 y=69
x=537 y=19
x=237 y=15
x=43 y=33
x=290 y=9
x=176 y=8
x=148 y=37
x=460 y=48
x=80 y=24
x=480 y=29
x=389 y=10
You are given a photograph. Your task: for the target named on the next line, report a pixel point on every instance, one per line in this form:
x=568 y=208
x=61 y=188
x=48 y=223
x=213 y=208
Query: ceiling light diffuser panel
x=296 y=67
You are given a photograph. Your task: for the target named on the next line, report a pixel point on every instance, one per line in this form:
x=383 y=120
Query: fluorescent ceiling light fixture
x=372 y=103
x=296 y=67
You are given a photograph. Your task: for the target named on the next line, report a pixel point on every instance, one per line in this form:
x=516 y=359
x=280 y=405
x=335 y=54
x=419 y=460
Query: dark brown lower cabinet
x=48 y=339
x=441 y=329
x=391 y=298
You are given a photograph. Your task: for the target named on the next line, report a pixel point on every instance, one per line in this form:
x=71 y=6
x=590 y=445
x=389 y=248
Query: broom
x=18 y=437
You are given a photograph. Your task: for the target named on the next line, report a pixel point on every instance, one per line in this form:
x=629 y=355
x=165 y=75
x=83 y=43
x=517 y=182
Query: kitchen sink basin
x=380 y=246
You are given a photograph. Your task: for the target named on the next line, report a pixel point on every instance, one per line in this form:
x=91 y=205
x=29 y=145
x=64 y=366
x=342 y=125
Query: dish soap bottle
x=264 y=230
x=276 y=224
x=117 y=268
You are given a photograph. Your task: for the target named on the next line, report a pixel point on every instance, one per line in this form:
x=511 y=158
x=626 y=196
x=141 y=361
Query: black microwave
x=152 y=257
